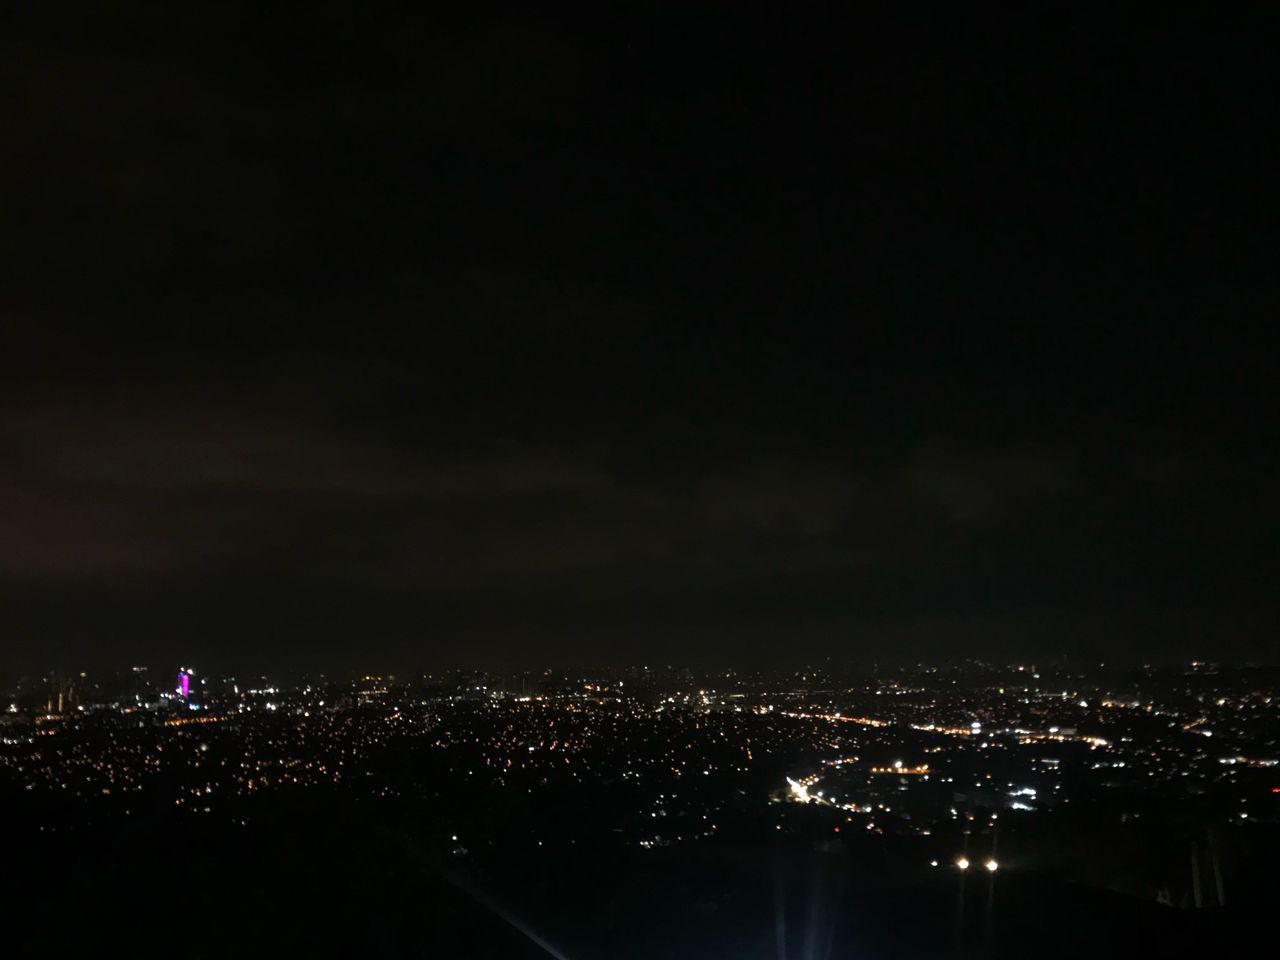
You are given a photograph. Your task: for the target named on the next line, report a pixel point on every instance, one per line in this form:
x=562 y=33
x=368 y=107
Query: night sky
x=341 y=339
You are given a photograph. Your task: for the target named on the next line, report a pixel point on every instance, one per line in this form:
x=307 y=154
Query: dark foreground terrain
x=363 y=878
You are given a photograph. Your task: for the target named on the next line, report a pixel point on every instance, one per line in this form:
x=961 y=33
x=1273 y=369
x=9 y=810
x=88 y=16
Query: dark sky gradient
x=352 y=340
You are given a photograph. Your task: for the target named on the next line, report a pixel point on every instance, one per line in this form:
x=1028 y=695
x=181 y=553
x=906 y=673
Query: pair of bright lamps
x=991 y=865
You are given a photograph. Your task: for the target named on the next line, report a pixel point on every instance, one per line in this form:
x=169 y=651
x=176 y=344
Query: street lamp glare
x=963 y=863
x=992 y=866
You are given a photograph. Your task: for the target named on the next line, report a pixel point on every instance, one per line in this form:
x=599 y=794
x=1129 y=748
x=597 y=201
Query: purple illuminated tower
x=184 y=683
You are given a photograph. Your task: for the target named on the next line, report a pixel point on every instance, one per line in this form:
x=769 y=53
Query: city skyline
x=989 y=804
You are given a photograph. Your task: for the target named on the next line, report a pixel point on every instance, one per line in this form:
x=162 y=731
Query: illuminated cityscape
x=639 y=481
x=1036 y=772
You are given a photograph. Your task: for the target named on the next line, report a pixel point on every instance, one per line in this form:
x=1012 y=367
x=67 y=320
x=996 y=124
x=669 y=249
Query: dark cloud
x=507 y=543
x=353 y=336
x=969 y=487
